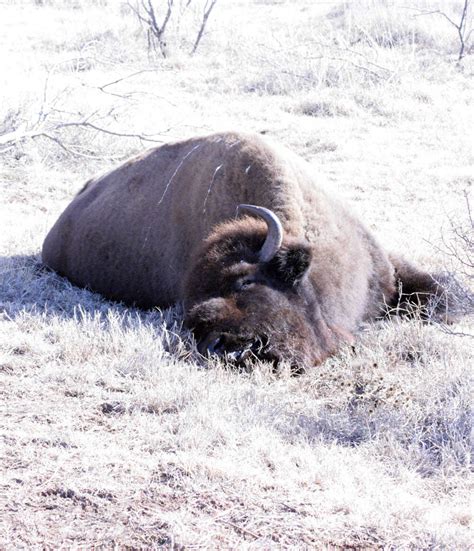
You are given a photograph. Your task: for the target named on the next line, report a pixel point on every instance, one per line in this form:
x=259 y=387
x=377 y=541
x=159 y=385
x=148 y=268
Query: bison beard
x=290 y=278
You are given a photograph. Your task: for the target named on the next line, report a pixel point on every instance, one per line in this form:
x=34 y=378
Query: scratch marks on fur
x=177 y=170
x=210 y=187
x=168 y=184
x=217 y=169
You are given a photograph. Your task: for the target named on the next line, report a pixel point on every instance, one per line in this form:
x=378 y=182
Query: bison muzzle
x=267 y=263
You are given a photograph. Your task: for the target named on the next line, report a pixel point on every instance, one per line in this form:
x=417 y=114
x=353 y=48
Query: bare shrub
x=461 y=23
x=378 y=24
x=49 y=120
x=156 y=22
x=155 y=30
x=323 y=108
x=208 y=7
x=458 y=248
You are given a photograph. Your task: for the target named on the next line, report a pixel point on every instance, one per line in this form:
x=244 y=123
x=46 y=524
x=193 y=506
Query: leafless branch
x=18 y=136
x=136 y=11
x=460 y=245
x=11 y=138
x=239 y=528
x=457 y=246
x=146 y=14
x=463 y=34
x=86 y=124
x=50 y=132
x=41 y=113
x=330 y=48
x=68 y=149
x=116 y=81
x=209 y=6
x=156 y=31
x=447 y=329
x=129 y=96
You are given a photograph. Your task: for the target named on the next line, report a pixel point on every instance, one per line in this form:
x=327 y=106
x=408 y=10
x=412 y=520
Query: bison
x=268 y=264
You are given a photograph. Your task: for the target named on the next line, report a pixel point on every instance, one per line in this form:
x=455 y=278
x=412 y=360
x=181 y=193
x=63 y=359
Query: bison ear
x=290 y=264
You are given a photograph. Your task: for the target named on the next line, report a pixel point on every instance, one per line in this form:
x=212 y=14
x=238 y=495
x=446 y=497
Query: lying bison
x=267 y=263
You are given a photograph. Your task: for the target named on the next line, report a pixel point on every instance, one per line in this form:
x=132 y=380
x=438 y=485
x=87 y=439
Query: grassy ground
x=113 y=432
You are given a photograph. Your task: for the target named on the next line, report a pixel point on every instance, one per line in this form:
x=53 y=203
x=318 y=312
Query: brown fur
x=161 y=228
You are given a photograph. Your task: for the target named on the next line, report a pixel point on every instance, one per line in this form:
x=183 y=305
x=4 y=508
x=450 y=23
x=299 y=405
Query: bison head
x=248 y=295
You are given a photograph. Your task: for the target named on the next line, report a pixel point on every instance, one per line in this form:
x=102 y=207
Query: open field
x=113 y=432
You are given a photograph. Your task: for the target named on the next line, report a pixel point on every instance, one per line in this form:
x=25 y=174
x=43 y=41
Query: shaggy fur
x=161 y=228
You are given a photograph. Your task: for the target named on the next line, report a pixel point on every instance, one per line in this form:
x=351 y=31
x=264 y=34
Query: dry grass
x=114 y=433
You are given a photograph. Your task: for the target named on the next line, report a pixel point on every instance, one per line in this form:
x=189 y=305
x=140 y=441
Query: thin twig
x=86 y=124
x=155 y=31
x=12 y=138
x=129 y=95
x=460 y=27
x=136 y=73
x=74 y=152
x=209 y=6
x=239 y=528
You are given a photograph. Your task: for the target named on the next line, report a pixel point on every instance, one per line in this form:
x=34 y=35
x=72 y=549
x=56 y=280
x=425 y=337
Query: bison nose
x=216 y=346
x=224 y=346
x=212 y=345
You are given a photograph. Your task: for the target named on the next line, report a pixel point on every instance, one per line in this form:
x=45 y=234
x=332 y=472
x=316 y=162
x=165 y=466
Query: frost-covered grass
x=113 y=431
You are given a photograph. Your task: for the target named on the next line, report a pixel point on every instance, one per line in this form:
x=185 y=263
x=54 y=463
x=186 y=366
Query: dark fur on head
x=240 y=307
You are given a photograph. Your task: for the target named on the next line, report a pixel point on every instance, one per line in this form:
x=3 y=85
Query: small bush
x=321 y=108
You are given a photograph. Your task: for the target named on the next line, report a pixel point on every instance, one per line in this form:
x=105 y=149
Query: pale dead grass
x=114 y=432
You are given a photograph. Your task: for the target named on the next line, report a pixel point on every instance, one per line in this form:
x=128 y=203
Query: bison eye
x=244 y=283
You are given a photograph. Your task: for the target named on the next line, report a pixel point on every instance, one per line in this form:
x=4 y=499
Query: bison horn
x=275 y=230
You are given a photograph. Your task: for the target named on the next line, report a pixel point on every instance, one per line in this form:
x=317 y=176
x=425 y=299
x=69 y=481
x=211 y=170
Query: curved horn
x=275 y=230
